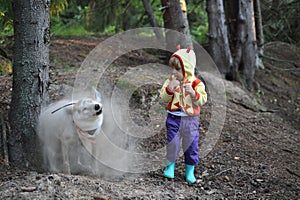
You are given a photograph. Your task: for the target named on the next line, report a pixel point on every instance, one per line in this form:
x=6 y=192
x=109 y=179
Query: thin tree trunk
x=186 y=30
x=174 y=19
x=92 y=16
x=30 y=80
x=259 y=34
x=258 y=24
x=219 y=48
x=244 y=62
x=152 y=19
x=231 y=13
x=3 y=140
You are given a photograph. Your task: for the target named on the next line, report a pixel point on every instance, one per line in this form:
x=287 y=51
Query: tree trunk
x=152 y=19
x=3 y=140
x=186 y=30
x=30 y=80
x=259 y=34
x=244 y=62
x=219 y=48
x=174 y=19
x=241 y=40
x=231 y=13
x=92 y=16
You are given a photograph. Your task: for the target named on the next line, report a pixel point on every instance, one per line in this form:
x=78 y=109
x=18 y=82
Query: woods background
x=234 y=33
x=255 y=45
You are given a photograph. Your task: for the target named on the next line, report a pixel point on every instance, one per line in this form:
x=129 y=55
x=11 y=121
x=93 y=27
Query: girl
x=184 y=94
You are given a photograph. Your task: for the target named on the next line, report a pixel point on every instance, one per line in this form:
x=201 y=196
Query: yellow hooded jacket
x=179 y=99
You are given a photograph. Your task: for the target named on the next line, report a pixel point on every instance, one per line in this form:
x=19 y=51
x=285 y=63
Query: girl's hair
x=174 y=63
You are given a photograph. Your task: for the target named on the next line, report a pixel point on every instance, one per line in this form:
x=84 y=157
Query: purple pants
x=186 y=128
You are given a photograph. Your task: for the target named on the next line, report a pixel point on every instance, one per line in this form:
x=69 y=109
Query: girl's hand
x=189 y=89
x=173 y=84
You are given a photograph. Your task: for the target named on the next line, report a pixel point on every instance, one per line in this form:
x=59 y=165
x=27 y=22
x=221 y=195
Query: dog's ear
x=97 y=95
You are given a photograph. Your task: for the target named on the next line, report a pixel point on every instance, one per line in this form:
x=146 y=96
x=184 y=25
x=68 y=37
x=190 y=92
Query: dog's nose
x=97 y=106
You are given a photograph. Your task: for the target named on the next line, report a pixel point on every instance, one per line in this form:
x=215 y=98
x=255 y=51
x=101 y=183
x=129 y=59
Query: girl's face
x=174 y=63
x=177 y=72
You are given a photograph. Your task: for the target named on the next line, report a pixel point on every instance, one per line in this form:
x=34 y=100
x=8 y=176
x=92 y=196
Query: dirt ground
x=256 y=157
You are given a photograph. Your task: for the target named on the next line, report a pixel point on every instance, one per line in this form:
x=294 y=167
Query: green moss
x=5 y=66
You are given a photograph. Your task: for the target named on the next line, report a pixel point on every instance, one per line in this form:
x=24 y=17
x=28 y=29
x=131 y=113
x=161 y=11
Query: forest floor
x=257 y=155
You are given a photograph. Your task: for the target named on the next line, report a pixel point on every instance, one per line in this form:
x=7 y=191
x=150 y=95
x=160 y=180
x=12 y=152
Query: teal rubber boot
x=169 y=171
x=189 y=173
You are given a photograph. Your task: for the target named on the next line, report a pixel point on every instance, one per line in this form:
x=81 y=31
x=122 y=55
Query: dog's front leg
x=95 y=165
x=84 y=158
x=66 y=161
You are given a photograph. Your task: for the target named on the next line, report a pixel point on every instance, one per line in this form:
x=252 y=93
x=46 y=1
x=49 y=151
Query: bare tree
x=175 y=19
x=186 y=27
x=219 y=48
x=245 y=46
x=30 y=80
x=152 y=19
x=259 y=33
x=240 y=22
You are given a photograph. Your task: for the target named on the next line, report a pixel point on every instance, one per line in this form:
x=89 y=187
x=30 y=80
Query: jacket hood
x=187 y=59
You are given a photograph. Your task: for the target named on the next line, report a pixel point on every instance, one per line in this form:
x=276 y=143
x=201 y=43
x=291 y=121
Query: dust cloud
x=111 y=154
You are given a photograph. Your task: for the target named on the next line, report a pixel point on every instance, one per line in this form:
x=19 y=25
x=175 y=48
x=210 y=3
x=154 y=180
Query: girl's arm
x=165 y=93
x=201 y=95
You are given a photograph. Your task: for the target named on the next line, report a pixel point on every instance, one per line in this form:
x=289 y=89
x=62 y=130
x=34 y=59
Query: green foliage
x=8 y=28
x=199 y=33
x=85 y=17
x=69 y=23
x=5 y=66
x=57 y=6
x=70 y=30
x=281 y=20
x=109 y=30
x=6 y=15
x=156 y=5
x=198 y=21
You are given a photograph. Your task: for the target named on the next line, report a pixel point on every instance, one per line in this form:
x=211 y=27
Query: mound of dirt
x=257 y=155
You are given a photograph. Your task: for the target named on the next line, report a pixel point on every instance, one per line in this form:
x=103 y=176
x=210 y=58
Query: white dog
x=65 y=127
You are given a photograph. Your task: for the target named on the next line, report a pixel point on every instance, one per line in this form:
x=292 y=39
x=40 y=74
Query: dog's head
x=87 y=109
x=88 y=115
